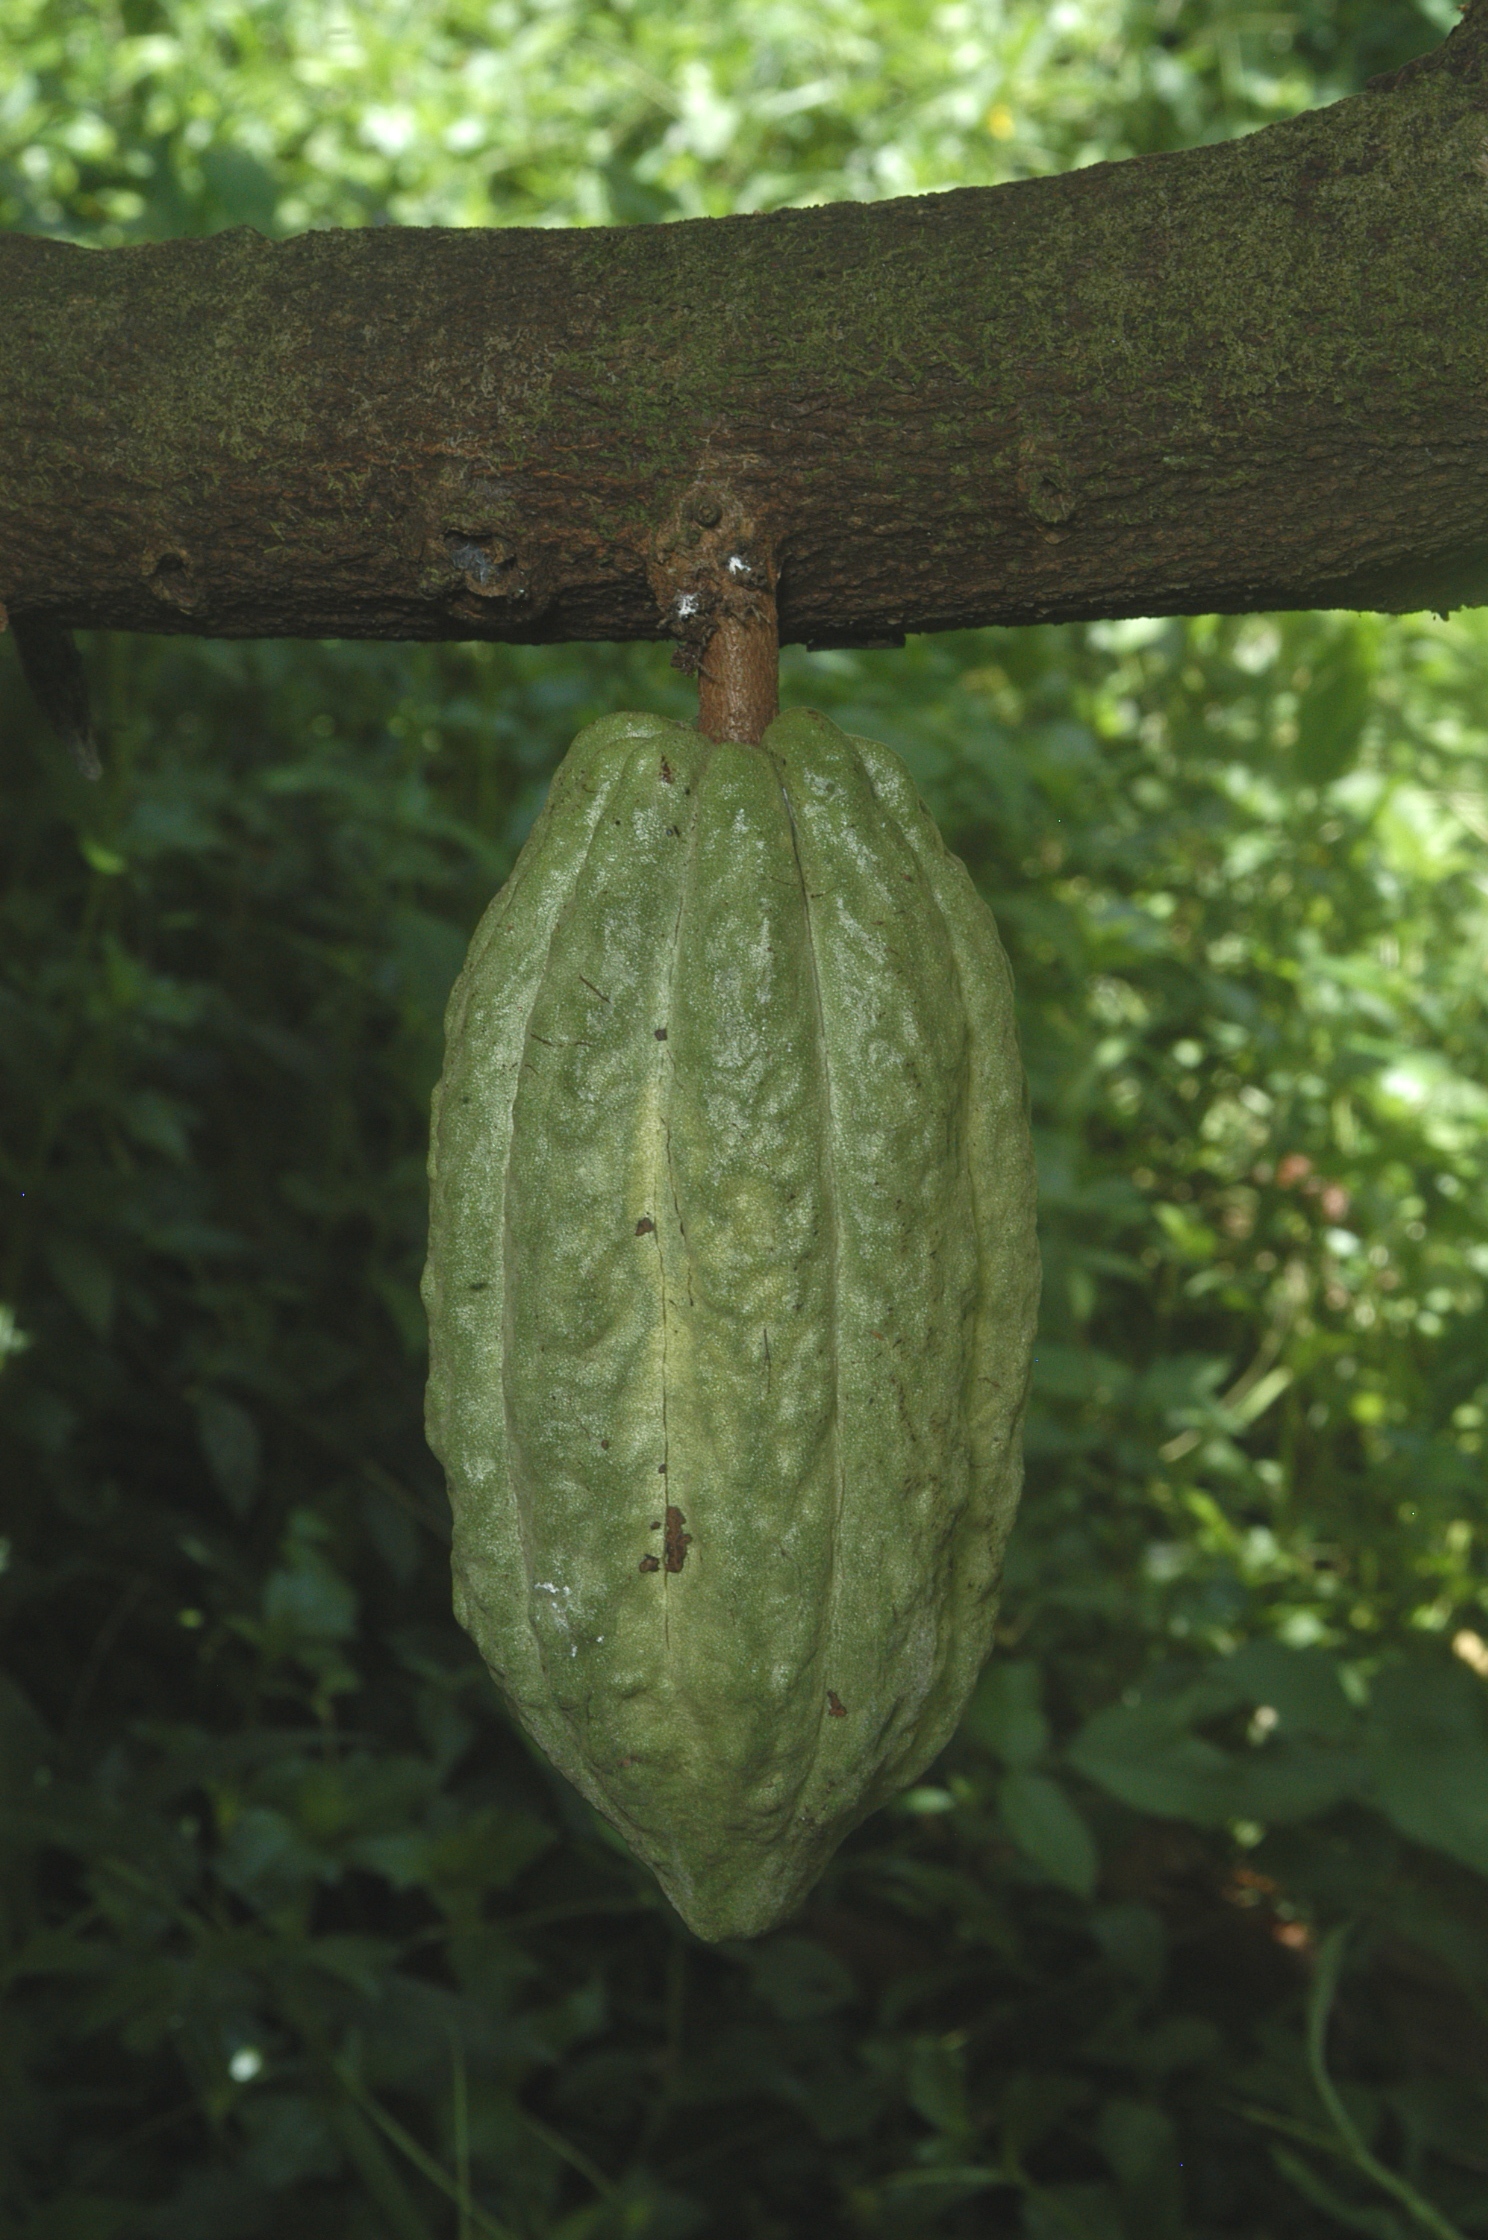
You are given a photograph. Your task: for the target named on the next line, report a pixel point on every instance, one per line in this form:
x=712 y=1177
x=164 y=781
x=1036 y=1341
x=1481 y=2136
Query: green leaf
x=1285 y=1780
x=937 y=2083
x=797 y=1978
x=27 y=1747
x=1004 y=1714
x=266 y=1860
x=1140 y=2144
x=459 y=1864
x=13 y=1339
x=1133 y=1938
x=1374 y=2219
x=85 y=1281
x=84 y=2216
x=231 y=1444
x=1151 y=1755
x=1427 y=1750
x=290 y=2138
x=307 y=1601
x=1301 y=1685
x=374 y=2165
x=1046 y=1825
x=1448 y=2115
x=1145 y=1754
x=1072 y=2212
x=1332 y=709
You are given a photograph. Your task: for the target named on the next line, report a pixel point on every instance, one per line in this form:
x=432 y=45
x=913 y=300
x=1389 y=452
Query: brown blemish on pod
x=677 y=1541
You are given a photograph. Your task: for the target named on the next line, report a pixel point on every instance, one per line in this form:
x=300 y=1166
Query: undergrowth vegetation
x=1187 y=1932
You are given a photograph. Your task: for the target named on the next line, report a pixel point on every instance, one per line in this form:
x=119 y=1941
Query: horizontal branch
x=1252 y=375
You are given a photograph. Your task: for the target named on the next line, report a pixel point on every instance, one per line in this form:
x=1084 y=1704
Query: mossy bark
x=1251 y=375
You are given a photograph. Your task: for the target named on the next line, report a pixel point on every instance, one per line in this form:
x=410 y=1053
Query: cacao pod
x=731 y=1289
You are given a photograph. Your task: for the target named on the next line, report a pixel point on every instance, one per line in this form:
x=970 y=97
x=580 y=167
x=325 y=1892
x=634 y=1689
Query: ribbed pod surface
x=731 y=1288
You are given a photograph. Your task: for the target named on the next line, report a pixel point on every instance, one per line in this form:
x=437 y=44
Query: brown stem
x=739 y=681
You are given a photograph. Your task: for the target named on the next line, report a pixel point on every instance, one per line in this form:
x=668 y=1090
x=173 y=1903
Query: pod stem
x=739 y=679
x=713 y=572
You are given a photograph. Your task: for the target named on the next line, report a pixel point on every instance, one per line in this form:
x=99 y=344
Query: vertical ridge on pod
x=665 y=1070
x=746 y=1149
x=1000 y=1173
x=470 y=1136
x=827 y=1695
x=585 y=1296
x=899 y=1044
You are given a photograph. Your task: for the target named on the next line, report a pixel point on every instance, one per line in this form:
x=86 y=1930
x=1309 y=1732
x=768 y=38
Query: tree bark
x=1253 y=375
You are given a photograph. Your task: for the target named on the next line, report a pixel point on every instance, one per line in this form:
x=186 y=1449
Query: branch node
x=713 y=575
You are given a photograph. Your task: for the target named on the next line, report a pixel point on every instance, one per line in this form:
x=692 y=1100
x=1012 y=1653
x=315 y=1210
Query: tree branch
x=1252 y=375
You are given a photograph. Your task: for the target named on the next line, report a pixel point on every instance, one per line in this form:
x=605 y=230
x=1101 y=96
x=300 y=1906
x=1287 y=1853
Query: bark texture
x=1247 y=376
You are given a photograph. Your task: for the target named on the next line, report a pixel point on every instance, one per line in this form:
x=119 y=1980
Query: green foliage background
x=1187 y=1933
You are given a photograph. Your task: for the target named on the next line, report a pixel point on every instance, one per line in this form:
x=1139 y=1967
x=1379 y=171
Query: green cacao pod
x=731 y=1290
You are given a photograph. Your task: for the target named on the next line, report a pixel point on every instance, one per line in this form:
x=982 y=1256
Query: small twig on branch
x=714 y=580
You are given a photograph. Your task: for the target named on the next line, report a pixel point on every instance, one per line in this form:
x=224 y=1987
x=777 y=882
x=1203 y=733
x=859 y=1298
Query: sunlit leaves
x=136 y=119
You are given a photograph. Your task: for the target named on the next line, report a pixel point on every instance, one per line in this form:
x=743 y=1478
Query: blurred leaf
x=1332 y=709
x=231 y=1444
x=26 y=1748
x=1072 y=2212
x=1133 y=1939
x=1147 y=1755
x=937 y=2084
x=1371 y=2218
x=1426 y=1740
x=1004 y=1713
x=289 y=2139
x=1139 y=2143
x=307 y=1600
x=266 y=1860
x=1301 y=1685
x=1046 y=1825
x=84 y=1280
x=456 y=1864
x=799 y=1979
